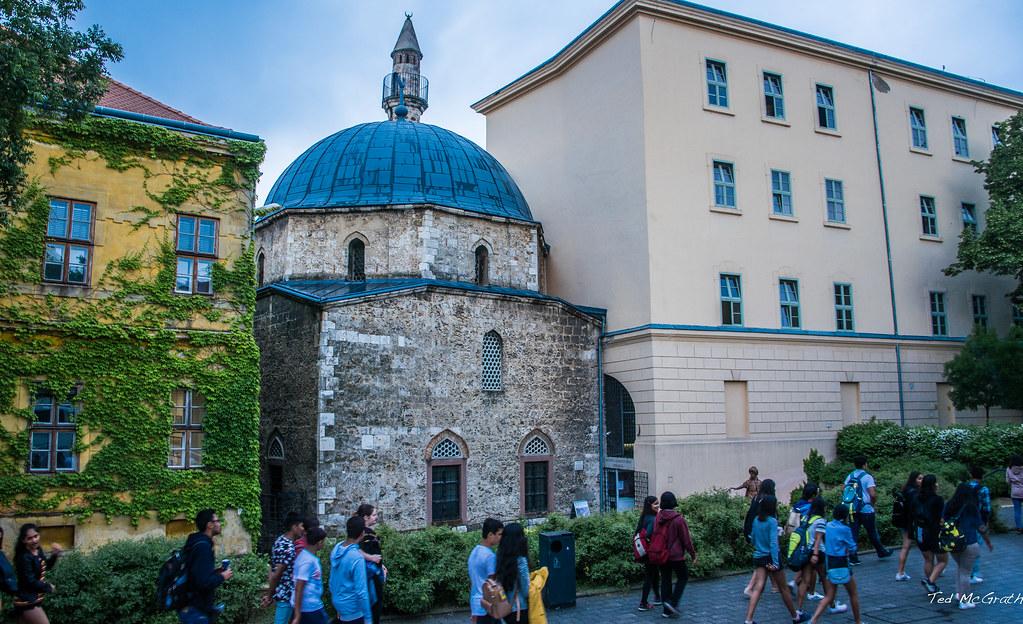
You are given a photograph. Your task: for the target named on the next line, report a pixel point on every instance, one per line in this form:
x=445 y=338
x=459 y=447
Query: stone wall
x=400 y=242
x=287 y=333
x=395 y=372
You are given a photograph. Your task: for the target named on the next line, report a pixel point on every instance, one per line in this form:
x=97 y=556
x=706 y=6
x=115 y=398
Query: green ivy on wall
x=125 y=348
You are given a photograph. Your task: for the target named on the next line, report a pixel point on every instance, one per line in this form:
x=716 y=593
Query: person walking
x=839 y=544
x=864 y=513
x=31 y=565
x=766 y=489
x=800 y=512
x=376 y=571
x=282 y=559
x=678 y=543
x=963 y=510
x=927 y=512
x=984 y=507
x=307 y=598
x=767 y=559
x=349 y=585
x=512 y=571
x=1014 y=478
x=818 y=529
x=651 y=575
x=903 y=521
x=751 y=485
x=483 y=564
x=203 y=576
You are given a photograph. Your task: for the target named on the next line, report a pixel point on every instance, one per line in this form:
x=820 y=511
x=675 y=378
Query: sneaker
x=838 y=608
x=884 y=555
x=670 y=616
x=931 y=587
x=976 y=578
x=854 y=562
x=656 y=602
x=815 y=596
x=800 y=617
x=902 y=576
x=670 y=608
x=967 y=605
x=644 y=606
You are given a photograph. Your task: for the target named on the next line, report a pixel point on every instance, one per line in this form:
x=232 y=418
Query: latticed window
x=537 y=481
x=492 y=361
x=536 y=446
x=52 y=434
x=446 y=449
x=482 y=265
x=619 y=418
x=275 y=450
x=186 y=439
x=356 y=261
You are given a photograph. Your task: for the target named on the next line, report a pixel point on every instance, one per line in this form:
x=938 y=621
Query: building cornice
x=279 y=212
x=745 y=28
x=745 y=334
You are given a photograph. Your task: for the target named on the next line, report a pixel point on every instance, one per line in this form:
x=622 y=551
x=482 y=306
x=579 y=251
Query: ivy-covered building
x=129 y=374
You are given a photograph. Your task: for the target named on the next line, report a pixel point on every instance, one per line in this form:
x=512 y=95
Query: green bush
x=117 y=583
x=989 y=447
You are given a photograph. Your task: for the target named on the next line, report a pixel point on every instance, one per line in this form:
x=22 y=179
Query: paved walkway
x=882 y=600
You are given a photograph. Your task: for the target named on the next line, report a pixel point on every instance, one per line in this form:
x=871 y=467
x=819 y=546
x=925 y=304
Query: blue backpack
x=8 y=579
x=852 y=495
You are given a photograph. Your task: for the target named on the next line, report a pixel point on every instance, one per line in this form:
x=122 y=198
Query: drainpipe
x=887 y=249
x=600 y=414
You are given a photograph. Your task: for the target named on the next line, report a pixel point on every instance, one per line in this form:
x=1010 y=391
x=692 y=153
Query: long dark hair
x=512 y=546
x=648 y=510
x=767 y=488
x=818 y=507
x=810 y=491
x=768 y=507
x=929 y=487
x=19 y=547
x=964 y=500
x=911 y=481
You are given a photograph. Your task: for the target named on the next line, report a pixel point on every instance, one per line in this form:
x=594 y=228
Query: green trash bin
x=557 y=552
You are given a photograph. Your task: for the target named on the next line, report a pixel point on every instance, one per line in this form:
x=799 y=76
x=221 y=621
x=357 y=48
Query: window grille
x=537 y=480
x=536 y=446
x=619 y=419
x=446 y=449
x=356 y=261
x=275 y=450
x=492 y=361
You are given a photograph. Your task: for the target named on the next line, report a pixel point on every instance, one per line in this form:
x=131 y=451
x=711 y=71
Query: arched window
x=619 y=418
x=536 y=455
x=275 y=450
x=492 y=357
x=356 y=260
x=275 y=464
x=260 y=261
x=482 y=266
x=445 y=491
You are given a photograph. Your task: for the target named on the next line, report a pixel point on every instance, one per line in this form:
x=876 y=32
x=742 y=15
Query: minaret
x=406 y=56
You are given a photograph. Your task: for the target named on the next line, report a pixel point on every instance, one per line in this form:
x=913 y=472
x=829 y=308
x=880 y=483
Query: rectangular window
x=788 y=292
x=731 y=299
x=717 y=84
x=774 y=99
x=186 y=441
x=68 y=253
x=781 y=193
x=444 y=499
x=825 y=107
x=959 y=142
x=536 y=475
x=724 y=184
x=1017 y=315
x=918 y=125
x=835 y=198
x=197 y=252
x=969 y=216
x=844 y=307
x=979 y=304
x=52 y=434
x=939 y=320
x=928 y=216
x=996 y=137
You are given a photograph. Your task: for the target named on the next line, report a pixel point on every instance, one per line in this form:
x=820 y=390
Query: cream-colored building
x=766 y=221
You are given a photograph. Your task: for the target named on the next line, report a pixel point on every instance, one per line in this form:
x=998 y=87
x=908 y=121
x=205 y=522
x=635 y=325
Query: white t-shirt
x=307 y=568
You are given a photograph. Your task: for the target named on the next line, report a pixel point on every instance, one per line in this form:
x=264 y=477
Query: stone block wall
x=396 y=372
x=408 y=241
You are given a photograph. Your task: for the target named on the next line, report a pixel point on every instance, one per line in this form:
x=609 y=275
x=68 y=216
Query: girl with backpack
x=902 y=518
x=963 y=510
x=644 y=531
x=927 y=511
x=839 y=546
x=767 y=560
x=31 y=565
x=512 y=571
x=816 y=533
x=766 y=489
x=668 y=547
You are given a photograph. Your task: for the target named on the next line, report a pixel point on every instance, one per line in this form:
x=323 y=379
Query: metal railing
x=416 y=87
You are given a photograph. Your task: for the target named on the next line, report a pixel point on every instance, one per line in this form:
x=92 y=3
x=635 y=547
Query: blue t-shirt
x=307 y=568
x=838 y=539
x=482 y=563
x=765 y=539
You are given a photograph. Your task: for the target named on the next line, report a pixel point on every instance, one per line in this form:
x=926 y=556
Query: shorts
x=928 y=542
x=762 y=562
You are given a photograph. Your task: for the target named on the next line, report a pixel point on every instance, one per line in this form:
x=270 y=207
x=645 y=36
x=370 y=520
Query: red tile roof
x=122 y=97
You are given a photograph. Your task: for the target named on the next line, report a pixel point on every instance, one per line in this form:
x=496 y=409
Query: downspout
x=887 y=249
x=600 y=414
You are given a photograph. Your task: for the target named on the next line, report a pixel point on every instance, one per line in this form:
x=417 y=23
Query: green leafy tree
x=976 y=373
x=999 y=247
x=46 y=68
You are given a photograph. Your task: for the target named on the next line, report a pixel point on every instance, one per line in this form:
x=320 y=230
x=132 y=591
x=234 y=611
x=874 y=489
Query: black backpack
x=8 y=579
x=900 y=511
x=172 y=582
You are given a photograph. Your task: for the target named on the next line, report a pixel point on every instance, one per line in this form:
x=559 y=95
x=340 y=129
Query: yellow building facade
x=128 y=372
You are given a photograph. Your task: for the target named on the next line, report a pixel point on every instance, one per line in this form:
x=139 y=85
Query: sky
x=295 y=72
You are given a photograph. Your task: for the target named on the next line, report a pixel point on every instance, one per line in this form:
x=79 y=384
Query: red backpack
x=657 y=552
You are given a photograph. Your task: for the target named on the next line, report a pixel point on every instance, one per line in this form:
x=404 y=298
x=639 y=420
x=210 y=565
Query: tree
x=976 y=373
x=999 y=247
x=47 y=68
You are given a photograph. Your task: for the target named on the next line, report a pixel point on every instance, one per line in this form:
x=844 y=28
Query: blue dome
x=399 y=162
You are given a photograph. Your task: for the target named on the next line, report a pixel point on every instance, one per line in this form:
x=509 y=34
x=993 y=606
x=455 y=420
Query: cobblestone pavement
x=882 y=600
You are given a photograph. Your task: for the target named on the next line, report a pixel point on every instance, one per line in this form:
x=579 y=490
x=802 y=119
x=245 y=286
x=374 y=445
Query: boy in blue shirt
x=839 y=547
x=483 y=564
x=348 y=583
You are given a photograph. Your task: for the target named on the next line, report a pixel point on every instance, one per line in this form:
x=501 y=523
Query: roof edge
x=737 y=25
x=173 y=124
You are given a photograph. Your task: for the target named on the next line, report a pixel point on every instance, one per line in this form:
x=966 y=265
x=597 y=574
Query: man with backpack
x=984 y=506
x=668 y=547
x=203 y=576
x=859 y=496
